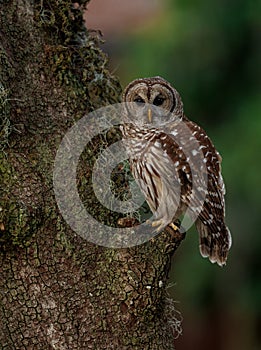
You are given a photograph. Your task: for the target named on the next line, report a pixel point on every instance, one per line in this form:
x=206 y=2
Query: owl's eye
x=158 y=101
x=139 y=100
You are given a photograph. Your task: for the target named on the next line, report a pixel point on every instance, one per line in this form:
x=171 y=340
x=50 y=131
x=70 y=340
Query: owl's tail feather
x=213 y=243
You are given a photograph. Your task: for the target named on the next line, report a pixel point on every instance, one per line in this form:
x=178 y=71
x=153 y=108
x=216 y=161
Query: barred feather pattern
x=164 y=163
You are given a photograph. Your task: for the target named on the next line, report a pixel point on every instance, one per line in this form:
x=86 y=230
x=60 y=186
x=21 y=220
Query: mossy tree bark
x=59 y=291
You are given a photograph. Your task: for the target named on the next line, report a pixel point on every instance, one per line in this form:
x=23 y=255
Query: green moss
x=6 y=69
x=65 y=72
x=5 y=125
x=16 y=222
x=61 y=19
x=84 y=76
x=74 y=58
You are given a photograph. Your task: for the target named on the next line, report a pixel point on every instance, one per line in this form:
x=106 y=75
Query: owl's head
x=153 y=101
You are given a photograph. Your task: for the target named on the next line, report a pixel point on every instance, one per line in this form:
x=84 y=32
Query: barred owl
x=175 y=164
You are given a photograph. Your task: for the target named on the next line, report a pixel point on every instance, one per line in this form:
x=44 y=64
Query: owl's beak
x=149 y=115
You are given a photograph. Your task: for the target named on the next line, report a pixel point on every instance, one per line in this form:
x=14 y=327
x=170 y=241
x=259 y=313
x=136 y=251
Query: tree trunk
x=59 y=291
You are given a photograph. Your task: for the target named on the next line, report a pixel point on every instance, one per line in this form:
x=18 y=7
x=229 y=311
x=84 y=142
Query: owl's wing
x=215 y=237
x=207 y=182
x=203 y=188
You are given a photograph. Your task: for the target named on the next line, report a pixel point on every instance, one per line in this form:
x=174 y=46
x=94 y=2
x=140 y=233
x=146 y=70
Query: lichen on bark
x=59 y=291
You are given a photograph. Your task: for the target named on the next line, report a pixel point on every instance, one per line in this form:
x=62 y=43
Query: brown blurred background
x=210 y=51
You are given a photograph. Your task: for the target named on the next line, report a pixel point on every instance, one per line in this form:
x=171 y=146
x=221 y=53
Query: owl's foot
x=174 y=227
x=176 y=231
x=157 y=223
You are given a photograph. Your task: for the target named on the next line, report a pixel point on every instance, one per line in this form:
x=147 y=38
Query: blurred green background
x=210 y=51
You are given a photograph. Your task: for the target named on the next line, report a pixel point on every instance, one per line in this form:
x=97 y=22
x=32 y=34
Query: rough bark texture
x=59 y=291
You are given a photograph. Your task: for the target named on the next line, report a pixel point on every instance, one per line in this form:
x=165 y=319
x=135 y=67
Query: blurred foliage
x=210 y=51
